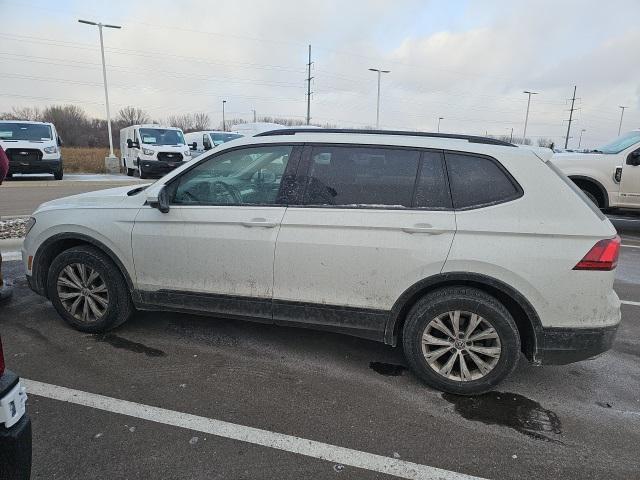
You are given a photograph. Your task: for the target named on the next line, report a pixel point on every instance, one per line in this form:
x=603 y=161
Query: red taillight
x=603 y=256
x=1 y=359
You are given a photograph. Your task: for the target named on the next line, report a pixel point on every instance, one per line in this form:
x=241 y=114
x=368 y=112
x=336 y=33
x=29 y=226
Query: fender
x=599 y=185
x=41 y=259
x=483 y=282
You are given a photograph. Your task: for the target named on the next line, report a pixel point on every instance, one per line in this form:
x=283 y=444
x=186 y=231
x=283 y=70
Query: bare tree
x=545 y=142
x=22 y=113
x=201 y=121
x=185 y=122
x=132 y=116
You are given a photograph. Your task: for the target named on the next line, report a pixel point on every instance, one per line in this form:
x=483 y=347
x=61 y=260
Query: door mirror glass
x=129 y=143
x=59 y=142
x=194 y=146
x=634 y=158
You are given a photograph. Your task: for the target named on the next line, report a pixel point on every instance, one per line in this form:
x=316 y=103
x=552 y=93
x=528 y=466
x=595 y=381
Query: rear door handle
x=424 y=228
x=260 y=222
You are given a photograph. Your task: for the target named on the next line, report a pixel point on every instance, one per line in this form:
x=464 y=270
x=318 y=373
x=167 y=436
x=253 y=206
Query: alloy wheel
x=83 y=292
x=461 y=346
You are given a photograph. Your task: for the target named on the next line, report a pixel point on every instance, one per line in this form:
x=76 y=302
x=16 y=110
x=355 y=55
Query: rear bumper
x=568 y=345
x=35 y=166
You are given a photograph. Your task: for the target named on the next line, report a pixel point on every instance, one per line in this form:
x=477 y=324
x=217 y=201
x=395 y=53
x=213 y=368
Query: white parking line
x=265 y=438
x=629 y=302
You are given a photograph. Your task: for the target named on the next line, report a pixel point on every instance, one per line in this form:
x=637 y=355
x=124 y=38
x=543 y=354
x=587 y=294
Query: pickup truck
x=609 y=175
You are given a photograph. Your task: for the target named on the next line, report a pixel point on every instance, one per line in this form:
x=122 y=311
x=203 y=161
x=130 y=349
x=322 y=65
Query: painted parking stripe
x=265 y=438
x=629 y=302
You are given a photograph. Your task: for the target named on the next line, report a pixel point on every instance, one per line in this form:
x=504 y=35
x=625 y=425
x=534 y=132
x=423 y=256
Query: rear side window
x=477 y=181
x=361 y=177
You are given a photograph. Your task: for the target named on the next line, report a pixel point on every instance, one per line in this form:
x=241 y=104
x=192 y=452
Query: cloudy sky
x=466 y=61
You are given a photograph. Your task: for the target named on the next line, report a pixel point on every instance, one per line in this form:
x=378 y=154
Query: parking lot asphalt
x=574 y=421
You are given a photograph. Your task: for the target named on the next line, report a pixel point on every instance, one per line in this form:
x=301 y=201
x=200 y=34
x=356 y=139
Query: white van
x=200 y=142
x=152 y=149
x=32 y=147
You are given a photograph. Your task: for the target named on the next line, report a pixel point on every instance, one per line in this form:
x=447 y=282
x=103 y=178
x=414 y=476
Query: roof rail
x=469 y=138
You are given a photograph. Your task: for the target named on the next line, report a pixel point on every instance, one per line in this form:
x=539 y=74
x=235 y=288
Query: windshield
x=161 y=136
x=621 y=143
x=33 y=132
x=218 y=138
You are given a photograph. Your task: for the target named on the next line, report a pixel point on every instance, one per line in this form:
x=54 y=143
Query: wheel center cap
x=84 y=292
x=459 y=344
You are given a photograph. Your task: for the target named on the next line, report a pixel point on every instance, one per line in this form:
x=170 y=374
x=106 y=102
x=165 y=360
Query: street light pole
x=380 y=72
x=224 y=125
x=104 y=77
x=580 y=141
x=511 y=136
x=526 y=118
x=621 y=115
x=439 y=118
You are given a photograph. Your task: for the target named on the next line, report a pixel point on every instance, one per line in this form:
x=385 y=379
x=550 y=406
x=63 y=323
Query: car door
x=372 y=222
x=630 y=182
x=213 y=251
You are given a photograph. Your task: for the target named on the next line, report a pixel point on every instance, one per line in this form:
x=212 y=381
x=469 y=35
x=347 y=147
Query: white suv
x=466 y=251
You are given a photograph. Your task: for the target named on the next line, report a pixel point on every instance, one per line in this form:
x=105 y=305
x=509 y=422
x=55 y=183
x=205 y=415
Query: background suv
x=466 y=251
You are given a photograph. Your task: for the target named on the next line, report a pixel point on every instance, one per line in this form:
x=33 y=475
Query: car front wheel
x=88 y=290
x=461 y=340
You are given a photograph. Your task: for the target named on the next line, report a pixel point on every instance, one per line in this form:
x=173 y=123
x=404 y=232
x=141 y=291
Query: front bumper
x=15 y=441
x=158 y=167
x=35 y=166
x=561 y=346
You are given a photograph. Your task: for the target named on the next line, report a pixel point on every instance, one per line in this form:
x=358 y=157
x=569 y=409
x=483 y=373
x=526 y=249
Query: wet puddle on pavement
x=120 y=342
x=387 y=369
x=509 y=410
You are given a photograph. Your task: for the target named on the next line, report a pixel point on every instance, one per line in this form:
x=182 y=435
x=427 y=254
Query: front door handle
x=259 y=222
x=424 y=228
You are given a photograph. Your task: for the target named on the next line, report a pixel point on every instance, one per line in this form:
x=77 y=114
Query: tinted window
x=477 y=181
x=432 y=190
x=248 y=176
x=361 y=176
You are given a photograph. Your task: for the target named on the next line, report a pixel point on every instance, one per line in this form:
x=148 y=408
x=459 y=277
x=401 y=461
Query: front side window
x=33 y=132
x=161 y=136
x=217 y=138
x=477 y=181
x=247 y=176
x=361 y=177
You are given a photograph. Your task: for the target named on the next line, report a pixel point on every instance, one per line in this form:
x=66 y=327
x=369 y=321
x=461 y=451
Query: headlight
x=147 y=151
x=29 y=225
x=187 y=153
x=53 y=149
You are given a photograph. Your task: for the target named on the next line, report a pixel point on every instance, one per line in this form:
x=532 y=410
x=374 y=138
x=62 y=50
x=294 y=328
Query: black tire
x=142 y=173
x=464 y=299
x=119 y=306
x=130 y=172
x=58 y=174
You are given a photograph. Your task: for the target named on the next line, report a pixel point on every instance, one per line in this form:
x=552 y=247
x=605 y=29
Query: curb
x=11 y=245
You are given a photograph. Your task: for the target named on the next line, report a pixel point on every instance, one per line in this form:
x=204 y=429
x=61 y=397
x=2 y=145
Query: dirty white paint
x=302 y=446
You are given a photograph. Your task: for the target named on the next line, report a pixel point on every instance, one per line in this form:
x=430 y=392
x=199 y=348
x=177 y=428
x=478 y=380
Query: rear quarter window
x=477 y=181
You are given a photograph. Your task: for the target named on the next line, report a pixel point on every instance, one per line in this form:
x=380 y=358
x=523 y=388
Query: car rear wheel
x=461 y=340
x=592 y=198
x=88 y=290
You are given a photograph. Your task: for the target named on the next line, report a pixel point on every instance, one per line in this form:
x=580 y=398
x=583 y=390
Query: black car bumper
x=568 y=345
x=15 y=441
x=35 y=166
x=158 y=167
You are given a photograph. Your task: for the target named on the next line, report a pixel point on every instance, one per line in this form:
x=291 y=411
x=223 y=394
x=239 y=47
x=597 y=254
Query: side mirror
x=158 y=197
x=129 y=143
x=194 y=146
x=634 y=158
x=207 y=146
x=59 y=142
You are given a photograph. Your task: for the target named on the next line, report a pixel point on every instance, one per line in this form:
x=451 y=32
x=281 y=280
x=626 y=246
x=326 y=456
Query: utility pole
x=309 y=78
x=526 y=118
x=511 y=136
x=580 y=141
x=254 y=116
x=224 y=125
x=573 y=101
x=111 y=163
x=621 y=115
x=439 y=118
x=380 y=72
